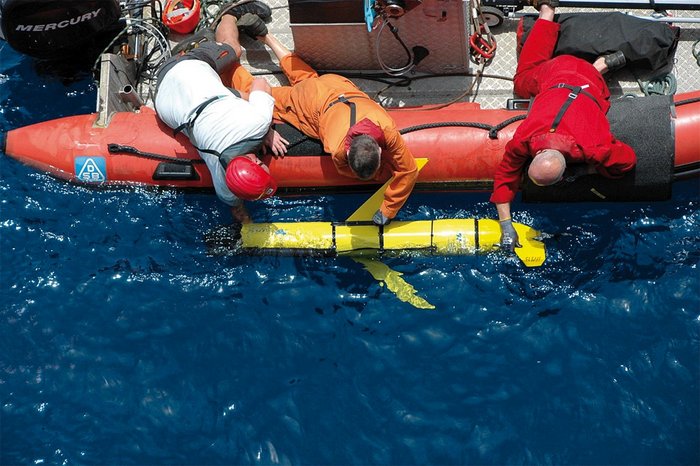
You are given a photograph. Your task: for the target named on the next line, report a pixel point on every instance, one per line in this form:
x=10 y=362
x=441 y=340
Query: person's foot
x=254 y=7
x=615 y=60
x=252 y=25
x=538 y=3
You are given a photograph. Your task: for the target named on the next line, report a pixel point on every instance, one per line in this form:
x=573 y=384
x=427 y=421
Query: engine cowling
x=50 y=29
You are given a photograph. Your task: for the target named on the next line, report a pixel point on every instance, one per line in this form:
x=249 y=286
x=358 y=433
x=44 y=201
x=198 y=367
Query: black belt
x=346 y=101
x=575 y=91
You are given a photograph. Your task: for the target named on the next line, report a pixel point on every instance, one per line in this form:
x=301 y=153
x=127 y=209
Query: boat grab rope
x=689 y=170
x=687 y=101
x=130 y=150
x=492 y=129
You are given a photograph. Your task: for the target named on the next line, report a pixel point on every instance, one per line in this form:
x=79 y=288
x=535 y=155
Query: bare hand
x=240 y=214
x=261 y=84
x=275 y=144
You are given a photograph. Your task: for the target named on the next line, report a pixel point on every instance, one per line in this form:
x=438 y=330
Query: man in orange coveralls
x=566 y=122
x=358 y=133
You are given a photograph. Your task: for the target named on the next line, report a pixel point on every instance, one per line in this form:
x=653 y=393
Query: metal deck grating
x=492 y=92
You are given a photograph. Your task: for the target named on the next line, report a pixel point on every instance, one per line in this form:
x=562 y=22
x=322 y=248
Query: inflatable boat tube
x=463 y=142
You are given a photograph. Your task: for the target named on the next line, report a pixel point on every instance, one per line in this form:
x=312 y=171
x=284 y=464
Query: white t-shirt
x=222 y=123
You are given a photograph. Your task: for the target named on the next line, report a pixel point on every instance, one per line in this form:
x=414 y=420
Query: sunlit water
x=123 y=342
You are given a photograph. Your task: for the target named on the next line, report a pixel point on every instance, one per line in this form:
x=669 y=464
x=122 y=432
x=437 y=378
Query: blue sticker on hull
x=91 y=169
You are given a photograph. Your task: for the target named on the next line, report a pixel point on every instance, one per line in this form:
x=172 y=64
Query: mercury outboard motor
x=55 y=30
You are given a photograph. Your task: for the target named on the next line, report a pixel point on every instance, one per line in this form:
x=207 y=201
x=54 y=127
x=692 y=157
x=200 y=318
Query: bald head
x=547 y=167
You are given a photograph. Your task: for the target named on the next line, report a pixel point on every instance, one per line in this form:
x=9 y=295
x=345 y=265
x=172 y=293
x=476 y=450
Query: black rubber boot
x=615 y=60
x=538 y=3
x=252 y=25
x=255 y=7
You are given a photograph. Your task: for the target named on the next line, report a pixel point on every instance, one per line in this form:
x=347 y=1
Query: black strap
x=581 y=89
x=195 y=114
x=346 y=101
x=575 y=91
x=238 y=148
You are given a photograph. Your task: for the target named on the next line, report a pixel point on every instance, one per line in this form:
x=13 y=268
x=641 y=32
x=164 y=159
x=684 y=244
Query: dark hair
x=363 y=156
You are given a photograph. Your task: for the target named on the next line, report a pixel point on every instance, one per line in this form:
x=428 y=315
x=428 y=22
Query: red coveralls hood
x=368 y=128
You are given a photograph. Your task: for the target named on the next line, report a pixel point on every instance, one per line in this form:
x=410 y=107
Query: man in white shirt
x=226 y=129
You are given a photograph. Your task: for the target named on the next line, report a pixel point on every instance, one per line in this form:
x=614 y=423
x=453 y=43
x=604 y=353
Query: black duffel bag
x=647 y=45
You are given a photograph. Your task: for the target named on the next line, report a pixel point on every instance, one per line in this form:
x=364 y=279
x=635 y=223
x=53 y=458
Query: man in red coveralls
x=358 y=133
x=566 y=121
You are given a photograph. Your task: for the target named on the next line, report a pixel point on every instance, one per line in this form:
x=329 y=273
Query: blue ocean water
x=123 y=342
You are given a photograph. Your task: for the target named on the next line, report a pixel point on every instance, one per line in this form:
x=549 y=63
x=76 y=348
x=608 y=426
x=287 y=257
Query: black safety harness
x=189 y=123
x=575 y=91
x=346 y=100
x=225 y=157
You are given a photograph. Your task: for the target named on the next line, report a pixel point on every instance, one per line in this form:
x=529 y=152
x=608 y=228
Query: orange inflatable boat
x=462 y=142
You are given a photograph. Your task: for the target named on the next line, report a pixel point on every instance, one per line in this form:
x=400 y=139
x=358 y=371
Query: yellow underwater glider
x=359 y=238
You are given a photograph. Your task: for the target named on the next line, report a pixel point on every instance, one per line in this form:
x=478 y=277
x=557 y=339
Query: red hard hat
x=248 y=178
x=181 y=16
